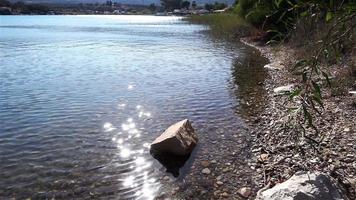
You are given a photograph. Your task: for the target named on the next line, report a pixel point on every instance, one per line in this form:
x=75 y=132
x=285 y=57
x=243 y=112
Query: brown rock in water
x=178 y=139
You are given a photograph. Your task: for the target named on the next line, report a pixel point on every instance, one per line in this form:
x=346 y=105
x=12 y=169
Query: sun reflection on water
x=125 y=153
x=108 y=127
x=130 y=87
x=126 y=140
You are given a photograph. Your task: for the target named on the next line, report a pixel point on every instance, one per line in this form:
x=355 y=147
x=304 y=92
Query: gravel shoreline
x=275 y=160
x=249 y=162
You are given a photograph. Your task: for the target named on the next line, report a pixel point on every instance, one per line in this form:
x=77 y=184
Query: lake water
x=82 y=97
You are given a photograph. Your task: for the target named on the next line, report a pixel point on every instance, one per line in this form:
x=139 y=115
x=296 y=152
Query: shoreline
x=337 y=153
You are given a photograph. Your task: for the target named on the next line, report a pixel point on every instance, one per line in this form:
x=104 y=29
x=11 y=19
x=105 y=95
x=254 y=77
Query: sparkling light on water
x=140 y=165
x=130 y=87
x=128 y=182
x=121 y=105
x=108 y=127
x=125 y=153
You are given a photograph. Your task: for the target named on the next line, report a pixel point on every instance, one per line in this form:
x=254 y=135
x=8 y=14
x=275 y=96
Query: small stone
x=216 y=193
x=315 y=160
x=205 y=163
x=274 y=66
x=350 y=155
x=203 y=192
x=347 y=130
x=256 y=150
x=351 y=181
x=225 y=195
x=245 y=191
x=219 y=183
x=263 y=157
x=206 y=171
x=166 y=178
x=283 y=89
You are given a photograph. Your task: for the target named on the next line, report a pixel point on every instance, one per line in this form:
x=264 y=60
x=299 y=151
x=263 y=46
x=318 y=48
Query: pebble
x=206 y=171
x=225 y=195
x=263 y=157
x=256 y=150
x=347 y=130
x=245 y=191
x=205 y=163
x=219 y=183
x=216 y=193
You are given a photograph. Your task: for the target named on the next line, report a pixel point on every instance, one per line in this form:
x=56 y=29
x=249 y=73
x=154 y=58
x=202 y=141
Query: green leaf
x=329 y=16
x=303 y=14
x=304 y=76
x=327 y=78
x=318 y=100
x=307 y=115
x=294 y=93
x=300 y=63
x=316 y=88
x=281 y=17
x=313 y=106
x=279 y=3
x=292 y=109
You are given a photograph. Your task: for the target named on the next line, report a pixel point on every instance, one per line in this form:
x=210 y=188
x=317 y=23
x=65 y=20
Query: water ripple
x=81 y=98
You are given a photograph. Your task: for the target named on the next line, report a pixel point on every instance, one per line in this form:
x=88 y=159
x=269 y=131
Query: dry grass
x=224 y=24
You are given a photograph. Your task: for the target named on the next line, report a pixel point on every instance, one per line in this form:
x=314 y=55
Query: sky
x=145 y=2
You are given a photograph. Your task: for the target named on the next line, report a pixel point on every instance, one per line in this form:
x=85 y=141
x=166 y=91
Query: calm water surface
x=81 y=98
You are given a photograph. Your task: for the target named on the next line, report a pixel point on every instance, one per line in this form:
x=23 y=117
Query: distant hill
x=136 y=2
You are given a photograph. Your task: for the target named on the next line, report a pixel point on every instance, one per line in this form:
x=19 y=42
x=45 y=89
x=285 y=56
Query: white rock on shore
x=274 y=66
x=178 y=139
x=303 y=186
x=284 y=89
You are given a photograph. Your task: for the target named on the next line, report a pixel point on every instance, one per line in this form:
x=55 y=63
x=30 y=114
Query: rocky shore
x=260 y=156
x=276 y=156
